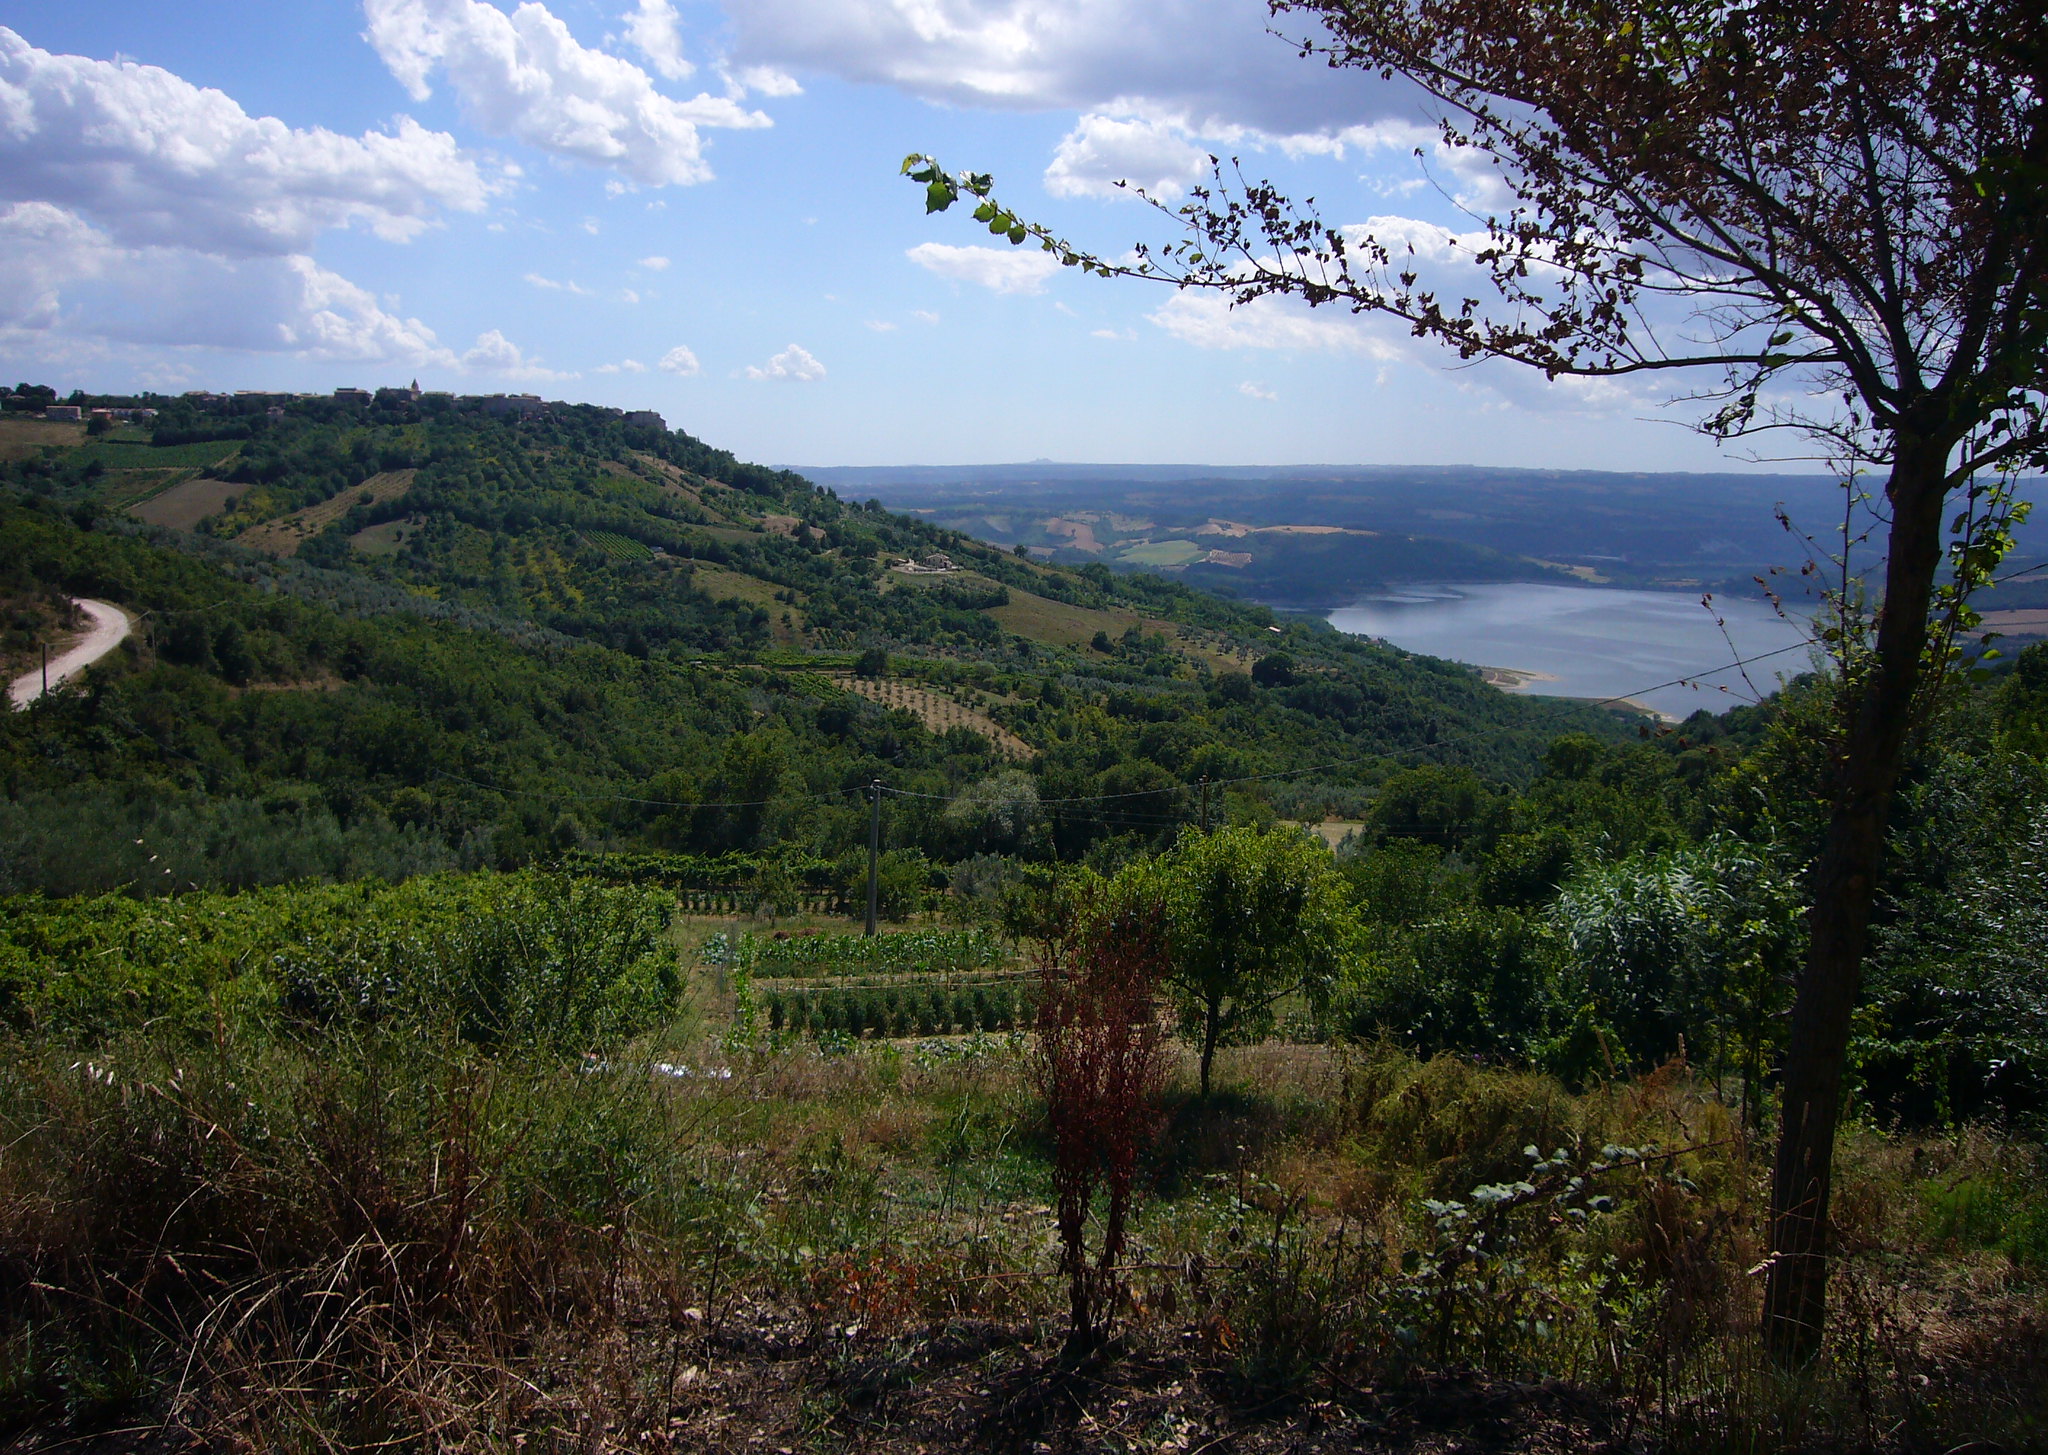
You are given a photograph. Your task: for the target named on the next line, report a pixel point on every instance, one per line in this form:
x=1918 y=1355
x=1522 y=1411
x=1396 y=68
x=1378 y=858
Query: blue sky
x=696 y=208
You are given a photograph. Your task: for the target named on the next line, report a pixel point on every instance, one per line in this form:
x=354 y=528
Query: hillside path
x=110 y=627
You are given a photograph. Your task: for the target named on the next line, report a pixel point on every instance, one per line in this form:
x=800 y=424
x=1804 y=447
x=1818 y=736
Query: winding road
x=110 y=627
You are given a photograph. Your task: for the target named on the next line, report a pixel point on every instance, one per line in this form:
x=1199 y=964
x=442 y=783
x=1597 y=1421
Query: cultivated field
x=283 y=536
x=937 y=711
x=183 y=506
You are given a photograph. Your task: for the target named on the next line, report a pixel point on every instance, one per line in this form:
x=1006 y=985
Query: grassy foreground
x=289 y=1210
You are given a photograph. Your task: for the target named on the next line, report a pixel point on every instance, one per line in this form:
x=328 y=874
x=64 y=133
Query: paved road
x=110 y=628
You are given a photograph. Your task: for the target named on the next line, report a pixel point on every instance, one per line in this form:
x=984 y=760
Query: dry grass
x=390 y=1243
x=23 y=438
x=183 y=506
x=284 y=536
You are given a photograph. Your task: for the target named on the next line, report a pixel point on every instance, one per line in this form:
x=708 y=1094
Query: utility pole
x=46 y=669
x=874 y=851
x=1205 y=803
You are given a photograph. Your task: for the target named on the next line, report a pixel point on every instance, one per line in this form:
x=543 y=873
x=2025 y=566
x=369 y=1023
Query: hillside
x=410 y=633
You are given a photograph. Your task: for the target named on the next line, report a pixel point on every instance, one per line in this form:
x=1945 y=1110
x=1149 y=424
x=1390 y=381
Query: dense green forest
x=519 y=762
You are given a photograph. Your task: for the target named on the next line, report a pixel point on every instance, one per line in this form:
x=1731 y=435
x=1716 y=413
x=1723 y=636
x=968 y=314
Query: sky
x=697 y=208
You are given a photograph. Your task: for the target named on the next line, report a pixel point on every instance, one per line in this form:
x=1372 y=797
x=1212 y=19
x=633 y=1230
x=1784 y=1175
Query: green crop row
x=618 y=547
x=902 y=1010
x=915 y=953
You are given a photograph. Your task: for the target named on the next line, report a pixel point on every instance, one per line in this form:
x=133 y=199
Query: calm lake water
x=1595 y=641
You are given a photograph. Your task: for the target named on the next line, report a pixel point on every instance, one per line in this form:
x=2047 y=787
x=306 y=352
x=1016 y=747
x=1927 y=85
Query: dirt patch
x=283 y=536
x=183 y=506
x=939 y=712
x=1080 y=534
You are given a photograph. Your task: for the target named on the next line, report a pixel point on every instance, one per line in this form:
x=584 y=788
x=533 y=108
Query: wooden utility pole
x=46 y=669
x=874 y=851
x=1205 y=803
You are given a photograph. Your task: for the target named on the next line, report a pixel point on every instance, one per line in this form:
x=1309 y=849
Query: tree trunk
x=1212 y=1030
x=1879 y=719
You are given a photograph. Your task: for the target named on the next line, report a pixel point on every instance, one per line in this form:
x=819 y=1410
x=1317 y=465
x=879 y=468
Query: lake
x=1589 y=641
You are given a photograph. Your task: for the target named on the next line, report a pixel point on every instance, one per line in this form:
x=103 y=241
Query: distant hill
x=390 y=633
x=1322 y=535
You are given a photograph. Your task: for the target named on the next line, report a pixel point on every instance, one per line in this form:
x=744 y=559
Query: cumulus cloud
x=156 y=161
x=1207 y=321
x=496 y=354
x=1250 y=389
x=881 y=325
x=554 y=286
x=657 y=33
x=72 y=280
x=1212 y=61
x=524 y=76
x=1103 y=150
x=678 y=360
x=767 y=80
x=623 y=366
x=924 y=315
x=794 y=365
x=655 y=264
x=1004 y=269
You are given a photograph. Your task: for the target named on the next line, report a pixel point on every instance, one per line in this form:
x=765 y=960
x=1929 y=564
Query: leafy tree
x=1253 y=917
x=1841 y=207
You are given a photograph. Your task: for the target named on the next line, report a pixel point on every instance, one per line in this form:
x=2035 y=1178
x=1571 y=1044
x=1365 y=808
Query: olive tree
x=1829 y=219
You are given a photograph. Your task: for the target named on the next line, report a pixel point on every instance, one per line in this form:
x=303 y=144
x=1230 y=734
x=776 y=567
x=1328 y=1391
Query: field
x=382 y=540
x=1163 y=553
x=520 y=1162
x=183 y=506
x=137 y=455
x=23 y=438
x=720 y=584
x=938 y=712
x=283 y=536
x=618 y=547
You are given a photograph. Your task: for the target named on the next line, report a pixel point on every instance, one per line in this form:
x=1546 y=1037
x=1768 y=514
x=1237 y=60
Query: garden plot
x=922 y=983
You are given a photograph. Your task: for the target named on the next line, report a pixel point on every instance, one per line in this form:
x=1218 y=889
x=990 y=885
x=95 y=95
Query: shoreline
x=1515 y=679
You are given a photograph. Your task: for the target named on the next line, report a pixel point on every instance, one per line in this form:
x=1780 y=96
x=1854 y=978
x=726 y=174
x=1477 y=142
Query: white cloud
x=1212 y=61
x=768 y=81
x=678 y=360
x=627 y=295
x=1207 y=321
x=657 y=33
x=794 y=364
x=1103 y=150
x=70 y=280
x=1117 y=335
x=1004 y=269
x=155 y=161
x=623 y=366
x=557 y=287
x=524 y=76
x=654 y=264
x=924 y=315
x=881 y=325
x=1252 y=390
x=496 y=354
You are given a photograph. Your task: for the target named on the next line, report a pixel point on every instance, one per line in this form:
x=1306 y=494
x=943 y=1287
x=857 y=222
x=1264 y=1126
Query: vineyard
x=920 y=983
x=617 y=547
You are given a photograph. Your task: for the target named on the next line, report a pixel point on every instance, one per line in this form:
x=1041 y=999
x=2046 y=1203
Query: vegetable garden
x=921 y=983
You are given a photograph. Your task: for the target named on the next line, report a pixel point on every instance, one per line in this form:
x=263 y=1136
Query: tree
x=1253 y=917
x=1843 y=201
